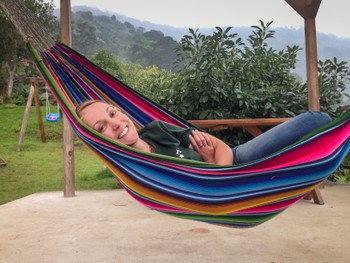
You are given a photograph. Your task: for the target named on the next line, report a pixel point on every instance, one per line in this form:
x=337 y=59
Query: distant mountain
x=329 y=46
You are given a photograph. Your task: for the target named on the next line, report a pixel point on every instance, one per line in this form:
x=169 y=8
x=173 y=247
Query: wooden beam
x=238 y=122
x=68 y=135
x=32 y=94
x=306 y=8
x=25 y=118
x=38 y=112
x=311 y=65
x=251 y=125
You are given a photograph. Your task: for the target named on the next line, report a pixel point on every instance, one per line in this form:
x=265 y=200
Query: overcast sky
x=332 y=18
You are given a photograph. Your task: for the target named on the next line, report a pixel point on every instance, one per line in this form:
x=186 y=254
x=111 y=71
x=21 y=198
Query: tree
x=224 y=77
x=333 y=78
x=85 y=34
x=148 y=81
x=153 y=48
x=12 y=47
x=9 y=54
x=109 y=63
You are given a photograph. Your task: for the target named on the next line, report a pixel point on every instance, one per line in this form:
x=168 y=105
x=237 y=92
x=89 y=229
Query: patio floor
x=110 y=226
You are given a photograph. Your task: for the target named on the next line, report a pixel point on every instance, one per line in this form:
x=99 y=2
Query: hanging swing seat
x=52 y=117
x=242 y=195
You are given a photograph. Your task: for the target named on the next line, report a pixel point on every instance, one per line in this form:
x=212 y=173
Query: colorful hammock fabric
x=242 y=195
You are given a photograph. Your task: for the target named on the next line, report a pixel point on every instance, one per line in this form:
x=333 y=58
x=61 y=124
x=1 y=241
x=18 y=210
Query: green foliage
x=85 y=33
x=153 y=48
x=146 y=80
x=108 y=62
x=333 y=78
x=92 y=33
x=221 y=77
x=12 y=47
x=43 y=9
x=20 y=94
x=342 y=174
x=225 y=78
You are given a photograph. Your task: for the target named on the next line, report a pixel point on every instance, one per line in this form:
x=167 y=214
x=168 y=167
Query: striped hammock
x=241 y=195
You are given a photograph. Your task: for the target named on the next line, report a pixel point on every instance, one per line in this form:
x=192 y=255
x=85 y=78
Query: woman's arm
x=211 y=149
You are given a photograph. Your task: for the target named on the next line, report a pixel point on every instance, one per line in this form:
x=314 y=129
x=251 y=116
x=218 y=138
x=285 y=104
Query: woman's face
x=110 y=122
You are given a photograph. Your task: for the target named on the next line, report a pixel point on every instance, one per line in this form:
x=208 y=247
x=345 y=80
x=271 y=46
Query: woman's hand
x=202 y=143
x=210 y=148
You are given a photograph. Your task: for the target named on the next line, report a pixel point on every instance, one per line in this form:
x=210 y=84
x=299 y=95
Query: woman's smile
x=125 y=131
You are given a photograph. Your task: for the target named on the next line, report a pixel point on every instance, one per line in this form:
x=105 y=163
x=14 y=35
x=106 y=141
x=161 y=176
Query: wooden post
x=68 y=135
x=32 y=94
x=311 y=64
x=38 y=112
x=308 y=10
x=25 y=118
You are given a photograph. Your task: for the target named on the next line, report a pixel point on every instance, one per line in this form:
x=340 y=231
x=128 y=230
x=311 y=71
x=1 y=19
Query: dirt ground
x=110 y=226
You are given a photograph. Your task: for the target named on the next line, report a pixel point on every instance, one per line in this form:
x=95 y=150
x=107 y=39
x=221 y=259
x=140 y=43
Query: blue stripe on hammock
x=179 y=184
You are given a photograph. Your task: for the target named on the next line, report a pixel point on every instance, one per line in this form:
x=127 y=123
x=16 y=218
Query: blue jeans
x=279 y=136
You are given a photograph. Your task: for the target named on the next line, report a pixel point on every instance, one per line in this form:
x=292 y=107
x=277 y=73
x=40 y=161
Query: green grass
x=39 y=166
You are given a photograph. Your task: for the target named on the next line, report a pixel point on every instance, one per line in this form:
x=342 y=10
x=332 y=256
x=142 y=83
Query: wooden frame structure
x=33 y=93
x=306 y=8
x=68 y=135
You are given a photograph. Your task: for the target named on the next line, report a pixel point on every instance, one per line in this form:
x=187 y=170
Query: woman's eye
x=113 y=113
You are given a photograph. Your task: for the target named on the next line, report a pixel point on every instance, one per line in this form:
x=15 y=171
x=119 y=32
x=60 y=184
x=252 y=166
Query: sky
x=332 y=18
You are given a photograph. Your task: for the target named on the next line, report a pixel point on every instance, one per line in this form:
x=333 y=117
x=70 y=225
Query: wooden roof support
x=68 y=135
x=308 y=10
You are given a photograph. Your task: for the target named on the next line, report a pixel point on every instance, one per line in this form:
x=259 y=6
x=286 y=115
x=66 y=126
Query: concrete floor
x=109 y=226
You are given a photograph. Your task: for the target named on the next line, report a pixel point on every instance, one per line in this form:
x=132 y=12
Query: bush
x=224 y=77
x=20 y=94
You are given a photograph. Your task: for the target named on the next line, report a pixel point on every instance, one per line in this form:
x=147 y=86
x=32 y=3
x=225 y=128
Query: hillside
x=137 y=40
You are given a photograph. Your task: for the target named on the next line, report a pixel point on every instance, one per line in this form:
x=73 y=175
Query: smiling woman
x=158 y=137
x=109 y=121
x=188 y=143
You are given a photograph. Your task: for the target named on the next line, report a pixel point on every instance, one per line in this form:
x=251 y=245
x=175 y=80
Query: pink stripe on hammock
x=129 y=95
x=312 y=151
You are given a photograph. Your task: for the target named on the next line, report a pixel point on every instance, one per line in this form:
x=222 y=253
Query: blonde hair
x=79 y=109
x=82 y=106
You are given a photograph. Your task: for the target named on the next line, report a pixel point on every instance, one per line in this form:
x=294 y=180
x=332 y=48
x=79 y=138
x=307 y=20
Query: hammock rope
x=243 y=195
x=27 y=24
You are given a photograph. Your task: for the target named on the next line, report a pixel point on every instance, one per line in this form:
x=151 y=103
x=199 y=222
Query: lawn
x=39 y=166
